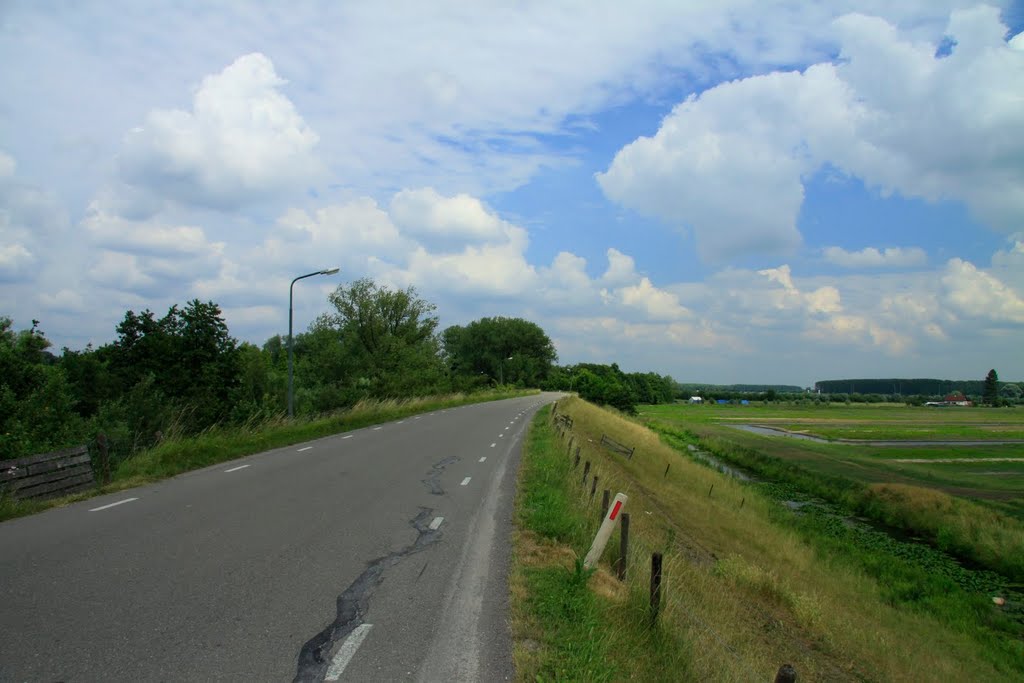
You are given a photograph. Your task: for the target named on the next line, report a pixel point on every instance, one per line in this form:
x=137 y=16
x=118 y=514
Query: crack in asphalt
x=433 y=480
x=353 y=603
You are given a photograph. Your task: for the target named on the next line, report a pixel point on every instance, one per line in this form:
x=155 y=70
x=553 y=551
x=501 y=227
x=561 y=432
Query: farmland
x=991 y=474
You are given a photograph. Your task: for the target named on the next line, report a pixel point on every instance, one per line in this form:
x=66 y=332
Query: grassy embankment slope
x=178 y=454
x=746 y=587
x=972 y=507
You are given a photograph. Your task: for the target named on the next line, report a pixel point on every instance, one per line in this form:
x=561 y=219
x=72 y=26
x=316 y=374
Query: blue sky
x=738 y=192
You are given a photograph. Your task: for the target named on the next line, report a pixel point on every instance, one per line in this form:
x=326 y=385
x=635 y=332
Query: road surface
x=376 y=555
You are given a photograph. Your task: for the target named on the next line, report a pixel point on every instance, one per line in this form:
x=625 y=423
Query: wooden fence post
x=666 y=470
x=787 y=674
x=576 y=463
x=655 y=587
x=104 y=448
x=571 y=439
x=593 y=487
x=586 y=472
x=623 y=545
x=604 y=502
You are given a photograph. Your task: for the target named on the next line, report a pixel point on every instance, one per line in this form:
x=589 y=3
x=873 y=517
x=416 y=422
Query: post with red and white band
x=605 y=532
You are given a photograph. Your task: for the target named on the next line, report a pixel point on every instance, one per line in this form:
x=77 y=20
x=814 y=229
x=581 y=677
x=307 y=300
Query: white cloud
x=730 y=162
x=870 y=257
x=657 y=303
x=146 y=237
x=115 y=270
x=621 y=268
x=242 y=140
x=977 y=294
x=64 y=301
x=426 y=214
x=15 y=260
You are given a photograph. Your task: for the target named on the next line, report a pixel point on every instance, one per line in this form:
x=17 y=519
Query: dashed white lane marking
x=377 y=429
x=465 y=481
x=235 y=469
x=417 y=417
x=506 y=429
x=494 y=444
x=120 y=502
x=346 y=651
x=482 y=459
x=501 y=436
x=348 y=437
x=400 y=422
x=436 y=523
x=307 y=448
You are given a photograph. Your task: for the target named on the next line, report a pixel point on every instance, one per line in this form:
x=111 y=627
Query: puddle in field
x=717 y=464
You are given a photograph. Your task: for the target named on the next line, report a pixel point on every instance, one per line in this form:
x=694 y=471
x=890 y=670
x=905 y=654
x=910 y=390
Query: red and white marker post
x=605 y=532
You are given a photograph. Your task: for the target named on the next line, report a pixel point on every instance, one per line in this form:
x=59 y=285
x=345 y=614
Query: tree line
x=183 y=372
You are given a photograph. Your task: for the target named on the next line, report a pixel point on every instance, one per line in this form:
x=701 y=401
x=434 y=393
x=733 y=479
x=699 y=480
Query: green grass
x=750 y=585
x=946 y=503
x=177 y=455
x=564 y=630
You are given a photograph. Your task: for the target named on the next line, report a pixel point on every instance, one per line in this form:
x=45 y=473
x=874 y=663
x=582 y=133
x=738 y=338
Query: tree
x=511 y=350
x=1010 y=391
x=387 y=339
x=990 y=394
x=189 y=353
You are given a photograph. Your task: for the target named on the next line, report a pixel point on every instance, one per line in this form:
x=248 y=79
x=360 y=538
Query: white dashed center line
x=493 y=445
x=377 y=429
x=436 y=523
x=235 y=469
x=346 y=651
x=465 y=481
x=305 y=449
x=483 y=458
x=348 y=437
x=120 y=502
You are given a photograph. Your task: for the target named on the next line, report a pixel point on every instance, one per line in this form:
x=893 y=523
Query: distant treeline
x=701 y=389
x=901 y=387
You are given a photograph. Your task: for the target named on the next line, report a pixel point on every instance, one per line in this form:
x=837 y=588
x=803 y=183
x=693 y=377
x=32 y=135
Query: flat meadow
x=989 y=472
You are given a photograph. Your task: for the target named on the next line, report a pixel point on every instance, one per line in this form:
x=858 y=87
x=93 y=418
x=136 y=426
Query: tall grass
x=745 y=592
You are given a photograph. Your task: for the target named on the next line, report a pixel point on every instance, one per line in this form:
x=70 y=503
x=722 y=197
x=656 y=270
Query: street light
x=291 y=388
x=501 y=370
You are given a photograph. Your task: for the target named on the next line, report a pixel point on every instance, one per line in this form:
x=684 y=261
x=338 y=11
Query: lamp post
x=291 y=387
x=501 y=370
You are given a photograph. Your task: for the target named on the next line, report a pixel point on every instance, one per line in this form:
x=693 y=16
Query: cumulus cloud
x=242 y=139
x=429 y=216
x=729 y=164
x=29 y=218
x=114 y=232
x=977 y=294
x=870 y=257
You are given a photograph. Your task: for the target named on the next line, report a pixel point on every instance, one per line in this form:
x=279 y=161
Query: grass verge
x=182 y=454
x=746 y=589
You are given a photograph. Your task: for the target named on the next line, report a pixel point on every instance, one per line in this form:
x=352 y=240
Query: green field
x=992 y=474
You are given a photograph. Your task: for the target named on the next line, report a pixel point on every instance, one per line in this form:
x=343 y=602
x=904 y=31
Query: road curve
x=379 y=554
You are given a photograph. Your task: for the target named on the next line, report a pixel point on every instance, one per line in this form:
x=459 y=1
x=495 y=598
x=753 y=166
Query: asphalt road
x=376 y=555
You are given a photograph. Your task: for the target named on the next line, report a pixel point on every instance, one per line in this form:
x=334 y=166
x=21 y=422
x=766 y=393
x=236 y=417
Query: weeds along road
x=376 y=555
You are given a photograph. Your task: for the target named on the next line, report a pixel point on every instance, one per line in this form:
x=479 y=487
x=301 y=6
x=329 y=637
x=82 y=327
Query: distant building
x=696 y=399
x=954 y=399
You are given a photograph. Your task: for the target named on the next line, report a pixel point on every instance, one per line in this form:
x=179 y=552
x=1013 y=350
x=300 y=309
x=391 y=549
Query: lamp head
x=329 y=271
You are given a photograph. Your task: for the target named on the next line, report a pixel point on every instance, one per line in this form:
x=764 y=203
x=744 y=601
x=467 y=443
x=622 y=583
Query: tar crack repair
x=433 y=480
x=315 y=656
